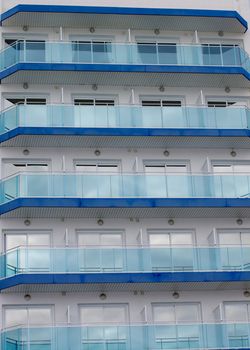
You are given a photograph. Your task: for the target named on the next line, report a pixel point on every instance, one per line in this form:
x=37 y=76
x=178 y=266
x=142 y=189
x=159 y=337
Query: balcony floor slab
x=49 y=212
x=126 y=75
x=125 y=138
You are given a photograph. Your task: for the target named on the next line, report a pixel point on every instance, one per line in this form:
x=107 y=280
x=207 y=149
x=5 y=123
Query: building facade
x=125 y=175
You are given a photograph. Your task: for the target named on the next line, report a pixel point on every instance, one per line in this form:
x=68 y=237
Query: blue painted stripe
x=144 y=277
x=123 y=68
x=124 y=203
x=152 y=132
x=125 y=11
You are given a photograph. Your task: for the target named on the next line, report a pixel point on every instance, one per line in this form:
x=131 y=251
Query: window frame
x=27 y=307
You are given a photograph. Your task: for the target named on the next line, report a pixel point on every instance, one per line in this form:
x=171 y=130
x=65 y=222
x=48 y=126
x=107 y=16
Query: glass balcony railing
x=129 y=54
x=123 y=117
x=128 y=337
x=129 y=259
x=92 y=185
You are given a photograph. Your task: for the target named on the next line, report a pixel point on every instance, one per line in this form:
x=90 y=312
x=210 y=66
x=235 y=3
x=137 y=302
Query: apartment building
x=125 y=175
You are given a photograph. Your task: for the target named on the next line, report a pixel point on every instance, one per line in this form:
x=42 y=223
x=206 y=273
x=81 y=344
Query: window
x=93 y=102
x=26 y=100
x=220 y=103
x=173 y=185
x=27 y=316
x=169 y=330
x=237 y=312
x=110 y=238
x=104 y=314
x=164 y=238
x=221 y=54
x=95 y=167
x=231 y=178
x=96 y=51
x=111 y=333
x=236 y=238
x=102 y=251
x=27 y=252
x=176 y=313
x=26 y=239
x=162 y=112
x=231 y=167
x=234 y=249
x=165 y=167
x=15 y=166
x=161 y=103
x=171 y=251
x=29 y=50
x=157 y=53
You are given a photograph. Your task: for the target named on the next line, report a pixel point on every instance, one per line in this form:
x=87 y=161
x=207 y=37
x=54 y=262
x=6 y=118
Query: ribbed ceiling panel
x=128 y=79
x=134 y=22
x=125 y=287
x=127 y=142
x=78 y=213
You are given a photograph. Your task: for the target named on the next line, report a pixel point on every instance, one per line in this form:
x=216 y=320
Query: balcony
x=116 y=64
x=174 y=19
x=104 y=265
x=128 y=337
x=93 y=195
x=112 y=126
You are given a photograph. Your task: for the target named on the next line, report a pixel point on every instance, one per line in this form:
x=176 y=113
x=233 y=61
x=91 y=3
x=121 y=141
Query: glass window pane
x=114 y=314
x=245 y=238
x=187 y=313
x=39 y=316
x=222 y=168
x=182 y=168
x=37 y=167
x=108 y=168
x=13 y=241
x=85 y=167
x=114 y=239
x=236 y=312
x=88 y=239
x=39 y=239
x=155 y=168
x=181 y=238
x=231 y=238
x=15 y=317
x=91 y=314
x=159 y=239
x=163 y=313
x=241 y=168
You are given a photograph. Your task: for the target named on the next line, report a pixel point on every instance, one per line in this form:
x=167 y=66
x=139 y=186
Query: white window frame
x=231 y=231
x=227 y=163
x=244 y=99
x=101 y=232
x=26 y=161
x=27 y=307
x=114 y=97
x=97 y=163
x=23 y=36
x=26 y=233
x=162 y=162
x=223 y=41
x=157 y=40
x=169 y=232
x=247 y=303
x=108 y=305
x=198 y=304
x=5 y=96
x=161 y=98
